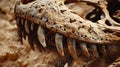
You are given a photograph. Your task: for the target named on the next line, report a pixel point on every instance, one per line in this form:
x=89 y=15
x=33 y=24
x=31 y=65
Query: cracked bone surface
x=95 y=27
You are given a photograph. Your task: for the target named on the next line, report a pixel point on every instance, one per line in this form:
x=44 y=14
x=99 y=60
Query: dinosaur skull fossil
x=67 y=24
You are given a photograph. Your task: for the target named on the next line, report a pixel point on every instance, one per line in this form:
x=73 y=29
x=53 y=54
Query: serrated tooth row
x=59 y=43
x=71 y=43
x=28 y=27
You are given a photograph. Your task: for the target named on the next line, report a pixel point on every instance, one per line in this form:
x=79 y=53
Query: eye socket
x=26 y=1
x=95 y=15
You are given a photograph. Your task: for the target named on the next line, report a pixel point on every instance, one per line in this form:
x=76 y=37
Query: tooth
x=41 y=36
x=17 y=20
x=109 y=49
x=94 y=49
x=20 y=35
x=30 y=40
x=27 y=26
x=84 y=49
x=24 y=35
x=19 y=23
x=20 y=29
x=17 y=3
x=66 y=65
x=23 y=28
x=22 y=21
x=59 y=43
x=32 y=26
x=39 y=46
x=103 y=50
x=72 y=48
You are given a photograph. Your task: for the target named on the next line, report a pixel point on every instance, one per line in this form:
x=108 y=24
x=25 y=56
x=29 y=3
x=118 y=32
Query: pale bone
x=41 y=36
x=59 y=43
x=84 y=49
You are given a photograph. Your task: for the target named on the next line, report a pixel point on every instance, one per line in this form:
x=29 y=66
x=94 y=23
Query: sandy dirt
x=12 y=52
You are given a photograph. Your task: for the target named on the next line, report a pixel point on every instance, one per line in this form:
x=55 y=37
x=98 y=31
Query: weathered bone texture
x=61 y=19
x=83 y=32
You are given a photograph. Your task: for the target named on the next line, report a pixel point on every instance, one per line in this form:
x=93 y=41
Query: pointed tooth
x=103 y=50
x=109 y=49
x=20 y=35
x=20 y=29
x=31 y=41
x=37 y=42
x=32 y=26
x=41 y=36
x=59 y=43
x=72 y=48
x=27 y=26
x=66 y=65
x=24 y=35
x=22 y=21
x=19 y=24
x=84 y=49
x=17 y=20
x=94 y=50
x=23 y=28
x=17 y=3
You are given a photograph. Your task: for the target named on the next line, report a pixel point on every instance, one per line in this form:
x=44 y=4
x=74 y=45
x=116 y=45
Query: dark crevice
x=113 y=6
x=108 y=23
x=94 y=16
x=26 y=1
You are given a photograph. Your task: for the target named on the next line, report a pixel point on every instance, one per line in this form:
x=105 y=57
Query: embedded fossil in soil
x=51 y=23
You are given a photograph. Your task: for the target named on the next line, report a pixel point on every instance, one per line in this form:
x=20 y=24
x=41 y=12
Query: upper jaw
x=78 y=29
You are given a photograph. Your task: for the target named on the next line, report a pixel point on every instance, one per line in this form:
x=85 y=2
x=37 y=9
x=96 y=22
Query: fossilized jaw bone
x=56 y=16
